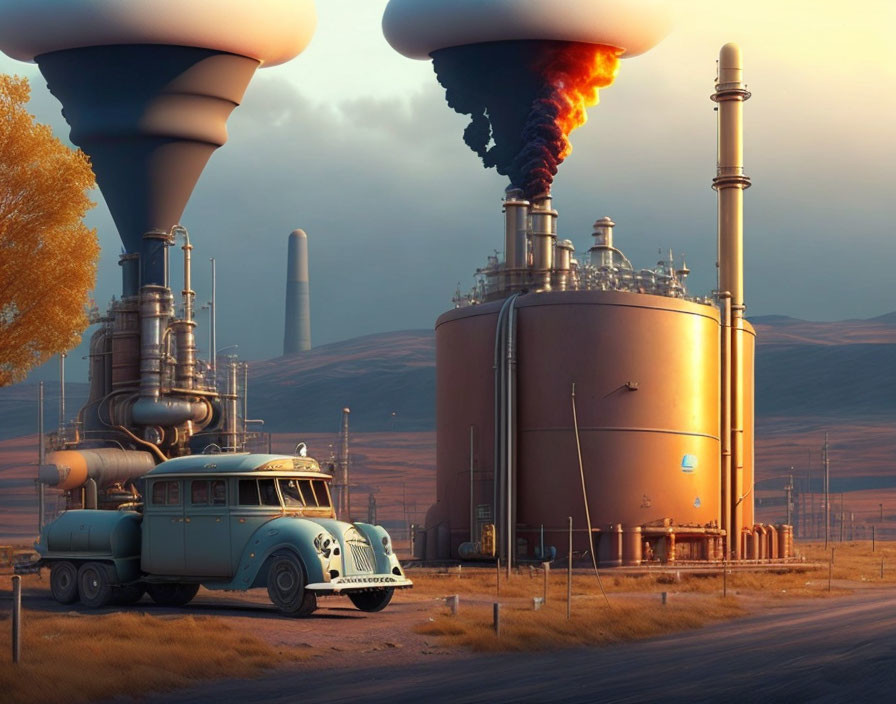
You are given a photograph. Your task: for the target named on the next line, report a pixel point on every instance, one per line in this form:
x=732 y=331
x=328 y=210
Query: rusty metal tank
x=646 y=373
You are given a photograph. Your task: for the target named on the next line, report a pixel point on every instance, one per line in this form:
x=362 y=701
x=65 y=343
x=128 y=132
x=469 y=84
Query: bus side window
x=173 y=493
x=158 y=492
x=248 y=490
x=218 y=492
x=199 y=491
x=268 y=492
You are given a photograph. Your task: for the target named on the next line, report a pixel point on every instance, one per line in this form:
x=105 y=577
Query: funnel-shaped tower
x=147 y=89
x=525 y=71
x=149 y=117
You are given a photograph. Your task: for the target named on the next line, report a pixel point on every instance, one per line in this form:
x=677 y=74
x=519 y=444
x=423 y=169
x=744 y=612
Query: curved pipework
x=150 y=409
x=170 y=412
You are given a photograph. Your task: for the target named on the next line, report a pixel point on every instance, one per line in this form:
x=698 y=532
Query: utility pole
x=789 y=492
x=827 y=493
x=371 y=509
x=811 y=497
x=62 y=396
x=213 y=344
x=41 y=459
x=344 y=507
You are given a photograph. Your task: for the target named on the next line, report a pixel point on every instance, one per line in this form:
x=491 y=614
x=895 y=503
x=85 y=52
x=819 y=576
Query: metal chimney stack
x=297 y=329
x=730 y=183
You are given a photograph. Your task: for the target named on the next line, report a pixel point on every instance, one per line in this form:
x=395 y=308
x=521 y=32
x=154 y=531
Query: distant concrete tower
x=297 y=331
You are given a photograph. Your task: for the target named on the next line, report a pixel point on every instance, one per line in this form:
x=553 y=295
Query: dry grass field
x=76 y=655
x=594 y=623
x=633 y=608
x=81 y=656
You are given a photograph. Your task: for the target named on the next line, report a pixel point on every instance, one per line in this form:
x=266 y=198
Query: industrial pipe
x=70 y=469
x=41 y=457
x=184 y=329
x=90 y=494
x=727 y=503
x=505 y=436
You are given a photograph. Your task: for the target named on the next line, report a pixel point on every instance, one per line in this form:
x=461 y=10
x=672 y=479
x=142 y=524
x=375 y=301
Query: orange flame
x=577 y=73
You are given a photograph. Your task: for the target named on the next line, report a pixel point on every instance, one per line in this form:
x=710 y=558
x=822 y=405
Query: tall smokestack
x=730 y=183
x=297 y=330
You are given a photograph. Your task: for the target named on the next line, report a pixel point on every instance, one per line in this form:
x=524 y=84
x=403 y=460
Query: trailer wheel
x=64 y=582
x=372 y=601
x=172 y=594
x=286 y=586
x=94 y=585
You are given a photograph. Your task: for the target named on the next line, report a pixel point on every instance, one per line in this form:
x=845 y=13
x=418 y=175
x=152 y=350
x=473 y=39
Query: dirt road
x=819 y=651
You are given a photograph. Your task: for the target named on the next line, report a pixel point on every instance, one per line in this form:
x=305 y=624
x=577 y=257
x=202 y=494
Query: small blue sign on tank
x=688 y=463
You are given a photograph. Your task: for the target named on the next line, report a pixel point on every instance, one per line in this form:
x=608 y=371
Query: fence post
x=546 y=567
x=569 y=575
x=830 y=570
x=16 y=618
x=496 y=617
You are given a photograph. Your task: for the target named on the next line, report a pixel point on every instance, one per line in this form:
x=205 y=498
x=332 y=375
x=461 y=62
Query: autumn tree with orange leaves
x=48 y=257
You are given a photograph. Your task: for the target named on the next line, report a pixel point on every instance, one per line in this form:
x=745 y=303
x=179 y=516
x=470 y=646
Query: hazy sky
x=354 y=143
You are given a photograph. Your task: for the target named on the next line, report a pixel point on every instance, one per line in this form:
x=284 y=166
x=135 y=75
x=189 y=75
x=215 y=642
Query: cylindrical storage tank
x=116 y=533
x=646 y=373
x=772 y=550
x=632 y=545
x=761 y=541
x=752 y=538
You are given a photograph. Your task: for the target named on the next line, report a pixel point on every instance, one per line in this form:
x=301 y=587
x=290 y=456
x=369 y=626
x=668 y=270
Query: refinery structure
x=568 y=387
x=147 y=89
x=583 y=397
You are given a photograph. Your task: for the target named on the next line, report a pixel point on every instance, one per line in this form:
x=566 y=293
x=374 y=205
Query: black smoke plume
x=512 y=106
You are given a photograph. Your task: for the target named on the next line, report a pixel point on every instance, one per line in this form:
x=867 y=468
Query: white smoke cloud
x=416 y=28
x=272 y=31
